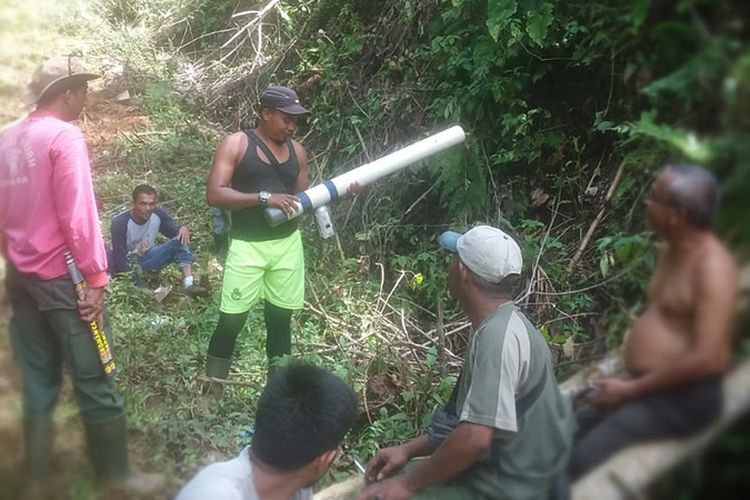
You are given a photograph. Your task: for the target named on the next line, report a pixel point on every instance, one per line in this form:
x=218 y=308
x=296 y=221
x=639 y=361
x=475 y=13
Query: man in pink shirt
x=47 y=207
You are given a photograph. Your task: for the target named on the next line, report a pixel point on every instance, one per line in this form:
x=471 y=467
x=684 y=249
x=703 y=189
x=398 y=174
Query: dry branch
x=223 y=381
x=599 y=216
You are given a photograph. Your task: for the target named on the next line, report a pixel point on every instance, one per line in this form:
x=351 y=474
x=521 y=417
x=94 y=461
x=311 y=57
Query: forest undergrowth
x=569 y=107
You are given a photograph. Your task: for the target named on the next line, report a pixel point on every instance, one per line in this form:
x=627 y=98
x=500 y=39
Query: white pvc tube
x=323 y=193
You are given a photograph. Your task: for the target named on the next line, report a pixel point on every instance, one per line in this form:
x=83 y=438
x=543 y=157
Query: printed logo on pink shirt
x=19 y=158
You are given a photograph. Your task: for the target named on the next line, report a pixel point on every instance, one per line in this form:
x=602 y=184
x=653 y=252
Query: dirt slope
x=26 y=39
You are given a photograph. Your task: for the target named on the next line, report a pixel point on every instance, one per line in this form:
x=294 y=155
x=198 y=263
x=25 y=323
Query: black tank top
x=252 y=175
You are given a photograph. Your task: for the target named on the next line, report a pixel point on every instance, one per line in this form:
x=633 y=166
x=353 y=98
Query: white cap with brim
x=56 y=73
x=487 y=251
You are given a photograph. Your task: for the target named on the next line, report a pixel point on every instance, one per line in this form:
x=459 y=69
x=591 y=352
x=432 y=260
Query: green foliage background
x=555 y=97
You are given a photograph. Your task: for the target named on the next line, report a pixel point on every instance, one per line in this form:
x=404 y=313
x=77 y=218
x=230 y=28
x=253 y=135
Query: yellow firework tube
x=97 y=334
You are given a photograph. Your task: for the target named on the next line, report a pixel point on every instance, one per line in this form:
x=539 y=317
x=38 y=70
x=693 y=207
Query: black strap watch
x=264 y=196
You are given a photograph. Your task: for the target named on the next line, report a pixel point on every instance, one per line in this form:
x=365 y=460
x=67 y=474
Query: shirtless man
x=679 y=348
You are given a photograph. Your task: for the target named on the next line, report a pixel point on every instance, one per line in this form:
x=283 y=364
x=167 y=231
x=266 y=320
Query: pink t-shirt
x=47 y=201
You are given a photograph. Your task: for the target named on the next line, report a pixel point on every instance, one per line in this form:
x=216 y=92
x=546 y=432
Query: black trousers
x=47 y=335
x=675 y=413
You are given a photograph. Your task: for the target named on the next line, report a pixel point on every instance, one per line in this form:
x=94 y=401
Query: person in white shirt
x=303 y=415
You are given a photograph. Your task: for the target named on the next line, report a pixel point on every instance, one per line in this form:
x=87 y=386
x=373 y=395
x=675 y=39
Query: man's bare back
x=665 y=331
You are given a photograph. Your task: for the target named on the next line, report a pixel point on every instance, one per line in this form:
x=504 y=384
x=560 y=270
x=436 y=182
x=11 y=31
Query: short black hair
x=143 y=189
x=695 y=190
x=303 y=412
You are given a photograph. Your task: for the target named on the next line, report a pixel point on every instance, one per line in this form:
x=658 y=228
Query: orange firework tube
x=97 y=334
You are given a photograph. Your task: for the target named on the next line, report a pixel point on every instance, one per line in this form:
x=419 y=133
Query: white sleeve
x=207 y=485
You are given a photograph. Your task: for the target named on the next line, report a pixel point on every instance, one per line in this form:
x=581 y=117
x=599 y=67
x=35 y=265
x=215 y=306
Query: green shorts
x=273 y=270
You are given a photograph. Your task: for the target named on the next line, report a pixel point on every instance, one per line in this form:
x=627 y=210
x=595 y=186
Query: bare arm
x=709 y=354
x=219 y=191
x=390 y=460
x=461 y=449
x=419 y=447
x=303 y=178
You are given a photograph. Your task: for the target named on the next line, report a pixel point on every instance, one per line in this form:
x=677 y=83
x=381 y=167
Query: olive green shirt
x=507 y=358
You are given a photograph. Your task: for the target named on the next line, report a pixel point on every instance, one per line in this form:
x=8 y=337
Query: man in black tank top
x=251 y=170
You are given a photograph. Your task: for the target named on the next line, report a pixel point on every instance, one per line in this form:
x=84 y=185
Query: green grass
x=161 y=346
x=26 y=39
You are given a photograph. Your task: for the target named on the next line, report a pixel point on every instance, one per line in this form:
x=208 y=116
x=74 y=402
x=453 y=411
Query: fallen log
x=626 y=475
x=344 y=490
x=629 y=473
x=608 y=366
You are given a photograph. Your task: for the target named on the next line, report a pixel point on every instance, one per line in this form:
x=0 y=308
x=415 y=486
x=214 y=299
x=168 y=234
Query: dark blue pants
x=158 y=257
x=674 y=413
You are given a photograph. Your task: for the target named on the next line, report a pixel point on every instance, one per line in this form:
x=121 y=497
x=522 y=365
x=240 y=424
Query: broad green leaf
x=529 y=5
x=544 y=330
x=498 y=15
x=537 y=23
x=604 y=126
x=640 y=12
x=604 y=265
x=431 y=357
x=684 y=141
x=515 y=33
x=704 y=66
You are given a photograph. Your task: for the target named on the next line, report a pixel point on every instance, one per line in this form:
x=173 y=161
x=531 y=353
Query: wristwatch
x=264 y=197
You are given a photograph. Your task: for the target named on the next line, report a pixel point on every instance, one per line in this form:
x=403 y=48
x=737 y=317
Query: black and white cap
x=282 y=98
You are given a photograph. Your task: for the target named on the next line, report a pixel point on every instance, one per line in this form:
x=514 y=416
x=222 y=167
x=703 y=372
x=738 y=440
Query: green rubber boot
x=106 y=443
x=217 y=367
x=107 y=448
x=211 y=391
x=37 y=436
